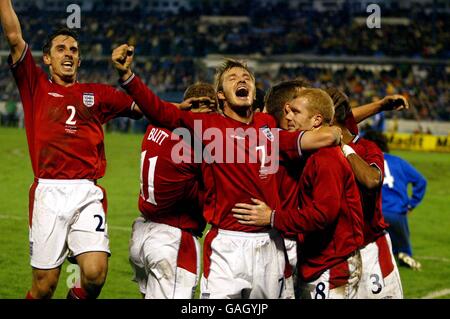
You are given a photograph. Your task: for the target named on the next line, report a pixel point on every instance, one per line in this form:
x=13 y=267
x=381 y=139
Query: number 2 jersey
x=64 y=124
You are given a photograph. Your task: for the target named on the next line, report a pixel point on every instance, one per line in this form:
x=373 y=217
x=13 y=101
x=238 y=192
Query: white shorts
x=165 y=260
x=67 y=218
x=240 y=265
x=380 y=276
x=291 y=250
x=321 y=288
x=291 y=281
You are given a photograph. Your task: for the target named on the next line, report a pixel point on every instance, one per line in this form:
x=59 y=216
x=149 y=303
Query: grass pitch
x=429 y=223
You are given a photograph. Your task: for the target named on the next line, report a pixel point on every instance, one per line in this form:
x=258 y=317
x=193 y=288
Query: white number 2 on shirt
x=73 y=111
x=149 y=178
x=388 y=178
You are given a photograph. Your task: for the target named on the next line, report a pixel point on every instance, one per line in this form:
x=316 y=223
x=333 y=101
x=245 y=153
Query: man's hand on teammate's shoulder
x=122 y=58
x=335 y=133
x=395 y=102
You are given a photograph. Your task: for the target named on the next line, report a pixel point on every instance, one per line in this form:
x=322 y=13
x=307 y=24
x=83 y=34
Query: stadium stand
x=324 y=42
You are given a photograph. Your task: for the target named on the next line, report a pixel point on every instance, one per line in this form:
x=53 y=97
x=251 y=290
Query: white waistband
x=263 y=233
x=65 y=181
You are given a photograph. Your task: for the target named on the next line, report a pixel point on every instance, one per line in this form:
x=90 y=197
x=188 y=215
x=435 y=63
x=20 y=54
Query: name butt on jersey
x=252 y=309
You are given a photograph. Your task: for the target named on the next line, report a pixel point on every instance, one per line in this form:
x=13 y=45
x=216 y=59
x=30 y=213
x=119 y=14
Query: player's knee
x=94 y=276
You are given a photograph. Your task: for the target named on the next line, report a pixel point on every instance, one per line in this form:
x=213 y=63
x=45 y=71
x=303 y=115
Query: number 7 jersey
x=64 y=124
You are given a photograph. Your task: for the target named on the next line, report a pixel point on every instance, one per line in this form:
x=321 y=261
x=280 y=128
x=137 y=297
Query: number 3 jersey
x=170 y=189
x=64 y=124
x=374 y=224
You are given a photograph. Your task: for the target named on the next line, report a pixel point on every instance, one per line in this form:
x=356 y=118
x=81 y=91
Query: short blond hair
x=319 y=102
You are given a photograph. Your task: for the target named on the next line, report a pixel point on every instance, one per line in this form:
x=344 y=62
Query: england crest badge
x=88 y=99
x=266 y=130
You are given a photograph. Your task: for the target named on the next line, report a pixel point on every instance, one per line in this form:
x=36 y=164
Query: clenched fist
x=122 y=57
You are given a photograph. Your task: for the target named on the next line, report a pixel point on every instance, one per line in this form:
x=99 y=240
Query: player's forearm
x=305 y=220
x=418 y=192
x=325 y=136
x=11 y=29
x=155 y=109
x=365 y=111
x=366 y=175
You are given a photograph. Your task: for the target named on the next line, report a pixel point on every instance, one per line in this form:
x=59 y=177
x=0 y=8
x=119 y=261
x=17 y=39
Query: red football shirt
x=374 y=224
x=329 y=222
x=64 y=124
x=288 y=177
x=225 y=142
x=169 y=189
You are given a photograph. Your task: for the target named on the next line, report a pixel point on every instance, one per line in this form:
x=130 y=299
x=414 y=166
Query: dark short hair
x=62 y=31
x=378 y=138
x=280 y=94
x=199 y=89
x=341 y=105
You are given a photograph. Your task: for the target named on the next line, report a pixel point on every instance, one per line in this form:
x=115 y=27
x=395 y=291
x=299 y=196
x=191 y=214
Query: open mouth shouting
x=242 y=92
x=67 y=65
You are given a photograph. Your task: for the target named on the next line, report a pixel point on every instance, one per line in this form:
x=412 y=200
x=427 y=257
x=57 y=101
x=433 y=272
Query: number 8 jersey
x=64 y=124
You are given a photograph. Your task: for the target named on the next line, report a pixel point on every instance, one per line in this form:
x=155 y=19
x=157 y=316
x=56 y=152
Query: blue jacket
x=398 y=173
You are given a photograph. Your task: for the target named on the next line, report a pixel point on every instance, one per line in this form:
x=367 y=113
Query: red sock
x=29 y=296
x=77 y=293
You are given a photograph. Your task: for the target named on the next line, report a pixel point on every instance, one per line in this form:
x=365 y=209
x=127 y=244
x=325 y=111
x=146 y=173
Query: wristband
x=347 y=150
x=130 y=78
x=272 y=218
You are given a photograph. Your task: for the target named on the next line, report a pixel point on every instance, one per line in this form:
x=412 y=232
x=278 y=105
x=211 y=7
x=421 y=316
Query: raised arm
x=156 y=110
x=388 y=103
x=11 y=29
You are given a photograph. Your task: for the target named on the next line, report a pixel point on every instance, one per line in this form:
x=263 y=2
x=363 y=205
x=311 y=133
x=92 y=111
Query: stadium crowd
x=251 y=30
x=173 y=45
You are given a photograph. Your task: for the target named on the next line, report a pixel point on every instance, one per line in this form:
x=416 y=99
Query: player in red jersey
x=380 y=277
x=288 y=175
x=240 y=156
x=328 y=218
x=63 y=122
x=164 y=249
